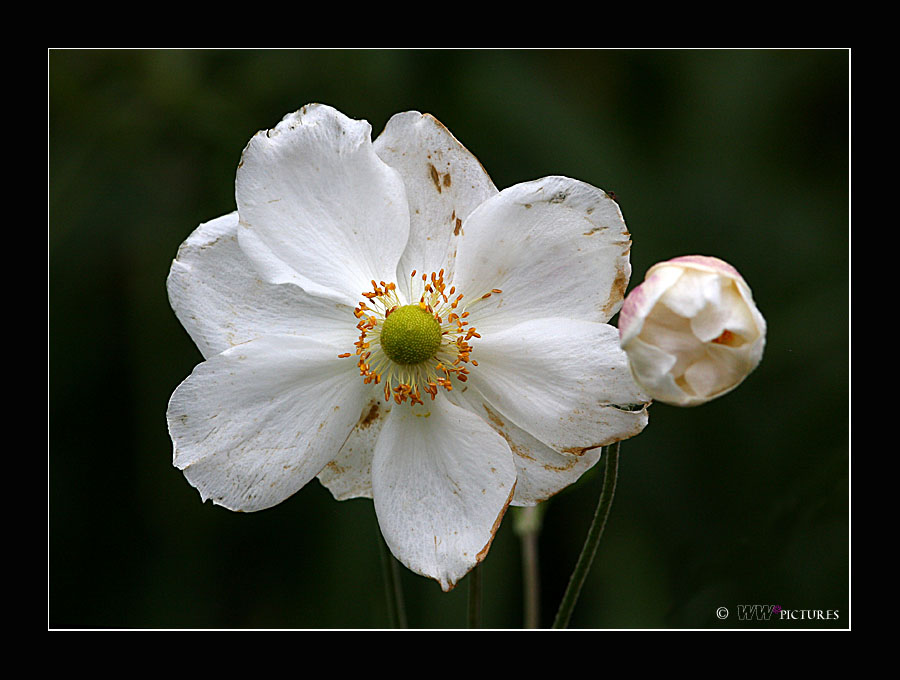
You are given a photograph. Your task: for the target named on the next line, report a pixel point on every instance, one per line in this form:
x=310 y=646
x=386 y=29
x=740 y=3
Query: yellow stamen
x=438 y=361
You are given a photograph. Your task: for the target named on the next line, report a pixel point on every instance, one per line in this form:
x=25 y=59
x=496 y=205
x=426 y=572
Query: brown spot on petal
x=446 y=180
x=493 y=417
x=458 y=227
x=617 y=294
x=335 y=468
x=456 y=144
x=498 y=426
x=370 y=415
x=435 y=176
x=484 y=551
x=576 y=451
x=560 y=468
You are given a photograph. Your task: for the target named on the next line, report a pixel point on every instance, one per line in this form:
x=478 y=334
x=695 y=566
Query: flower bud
x=691 y=330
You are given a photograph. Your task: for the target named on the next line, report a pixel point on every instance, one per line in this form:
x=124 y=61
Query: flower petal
x=254 y=424
x=556 y=247
x=642 y=299
x=541 y=472
x=319 y=208
x=656 y=369
x=565 y=382
x=221 y=301
x=731 y=309
x=442 y=480
x=349 y=475
x=444 y=183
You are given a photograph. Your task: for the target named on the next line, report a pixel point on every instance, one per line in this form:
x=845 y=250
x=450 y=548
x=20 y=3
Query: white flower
x=337 y=312
x=691 y=330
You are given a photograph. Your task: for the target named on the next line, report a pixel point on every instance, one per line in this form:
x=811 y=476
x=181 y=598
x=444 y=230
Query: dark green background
x=739 y=154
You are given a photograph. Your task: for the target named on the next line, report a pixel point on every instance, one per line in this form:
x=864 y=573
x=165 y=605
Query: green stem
x=527 y=524
x=475 y=597
x=532 y=580
x=393 y=590
x=611 y=468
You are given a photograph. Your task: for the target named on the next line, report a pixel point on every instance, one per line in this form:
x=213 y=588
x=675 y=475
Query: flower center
x=414 y=348
x=410 y=335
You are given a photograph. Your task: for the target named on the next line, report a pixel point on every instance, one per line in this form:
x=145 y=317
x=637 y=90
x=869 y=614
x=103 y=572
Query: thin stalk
x=475 y=597
x=392 y=588
x=527 y=525
x=531 y=580
x=576 y=581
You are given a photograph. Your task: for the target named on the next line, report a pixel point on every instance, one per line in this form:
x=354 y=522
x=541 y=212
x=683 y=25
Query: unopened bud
x=691 y=330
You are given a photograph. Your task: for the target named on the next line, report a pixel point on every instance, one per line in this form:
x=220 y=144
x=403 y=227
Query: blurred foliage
x=739 y=154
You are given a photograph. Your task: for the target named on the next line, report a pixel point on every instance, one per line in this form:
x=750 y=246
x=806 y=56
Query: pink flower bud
x=691 y=330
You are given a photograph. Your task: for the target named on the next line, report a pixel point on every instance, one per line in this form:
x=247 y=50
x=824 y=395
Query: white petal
x=695 y=290
x=318 y=207
x=723 y=311
x=565 y=382
x=704 y=377
x=556 y=247
x=255 y=423
x=720 y=370
x=349 y=475
x=541 y=472
x=670 y=332
x=654 y=366
x=712 y=319
x=444 y=183
x=442 y=480
x=642 y=299
x=222 y=302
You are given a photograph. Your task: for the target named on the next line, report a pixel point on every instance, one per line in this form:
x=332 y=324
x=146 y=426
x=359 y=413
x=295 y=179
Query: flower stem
x=576 y=581
x=393 y=589
x=475 y=597
x=527 y=524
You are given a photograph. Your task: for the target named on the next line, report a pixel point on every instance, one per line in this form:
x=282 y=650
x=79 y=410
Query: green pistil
x=410 y=335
